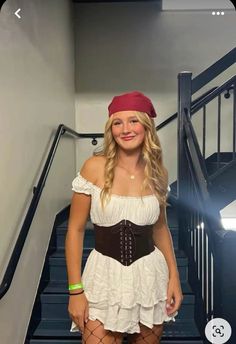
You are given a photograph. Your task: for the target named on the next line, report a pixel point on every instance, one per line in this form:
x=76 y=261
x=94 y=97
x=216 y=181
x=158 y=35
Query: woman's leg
x=94 y=333
x=147 y=335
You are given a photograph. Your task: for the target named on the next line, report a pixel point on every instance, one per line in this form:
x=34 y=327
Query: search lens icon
x=218 y=331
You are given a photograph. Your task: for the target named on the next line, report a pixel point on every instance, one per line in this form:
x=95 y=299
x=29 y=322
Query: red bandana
x=135 y=100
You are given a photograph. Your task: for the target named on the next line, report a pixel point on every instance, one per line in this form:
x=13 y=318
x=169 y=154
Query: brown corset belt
x=124 y=241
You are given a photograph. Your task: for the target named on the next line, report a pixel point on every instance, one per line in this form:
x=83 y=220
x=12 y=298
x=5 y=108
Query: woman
x=130 y=283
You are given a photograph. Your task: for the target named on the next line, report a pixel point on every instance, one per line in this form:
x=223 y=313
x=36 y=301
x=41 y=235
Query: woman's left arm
x=163 y=241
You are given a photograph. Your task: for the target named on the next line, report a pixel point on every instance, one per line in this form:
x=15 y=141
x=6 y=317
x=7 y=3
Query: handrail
x=212 y=95
x=37 y=191
x=214 y=70
x=193 y=103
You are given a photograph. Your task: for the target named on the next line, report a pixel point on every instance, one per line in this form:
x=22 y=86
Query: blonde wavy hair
x=155 y=172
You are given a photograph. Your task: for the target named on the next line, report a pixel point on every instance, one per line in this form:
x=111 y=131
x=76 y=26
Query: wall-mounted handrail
x=37 y=191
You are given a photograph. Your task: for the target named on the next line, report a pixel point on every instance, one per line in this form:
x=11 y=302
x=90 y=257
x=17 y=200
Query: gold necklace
x=132 y=176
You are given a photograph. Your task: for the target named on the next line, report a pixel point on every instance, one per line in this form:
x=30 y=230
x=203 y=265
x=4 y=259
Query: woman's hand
x=78 y=310
x=174 y=295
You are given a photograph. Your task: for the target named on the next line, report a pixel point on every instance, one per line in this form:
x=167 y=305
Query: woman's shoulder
x=92 y=168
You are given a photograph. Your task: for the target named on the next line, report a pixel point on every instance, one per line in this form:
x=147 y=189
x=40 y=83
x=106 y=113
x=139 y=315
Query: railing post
x=184 y=103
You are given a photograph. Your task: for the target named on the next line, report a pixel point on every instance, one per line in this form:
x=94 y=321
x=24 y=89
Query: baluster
x=234 y=118
x=204 y=132
x=218 y=131
x=203 y=259
x=212 y=286
x=207 y=279
x=198 y=249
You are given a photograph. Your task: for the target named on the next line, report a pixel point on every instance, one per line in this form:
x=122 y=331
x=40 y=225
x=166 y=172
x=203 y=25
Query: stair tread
x=224 y=157
x=170 y=211
x=61 y=328
x=60 y=252
x=58 y=257
x=60 y=287
x=53 y=298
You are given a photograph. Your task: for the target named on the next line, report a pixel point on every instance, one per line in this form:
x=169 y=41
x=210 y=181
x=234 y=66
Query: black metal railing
x=37 y=191
x=202 y=105
x=201 y=234
x=213 y=71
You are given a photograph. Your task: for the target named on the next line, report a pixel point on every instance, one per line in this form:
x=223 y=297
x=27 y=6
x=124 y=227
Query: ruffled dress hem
x=130 y=327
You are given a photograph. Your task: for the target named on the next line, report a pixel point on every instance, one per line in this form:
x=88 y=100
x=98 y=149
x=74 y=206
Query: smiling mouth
x=128 y=138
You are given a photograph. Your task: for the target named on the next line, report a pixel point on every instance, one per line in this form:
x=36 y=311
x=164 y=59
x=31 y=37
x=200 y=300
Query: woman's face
x=127 y=131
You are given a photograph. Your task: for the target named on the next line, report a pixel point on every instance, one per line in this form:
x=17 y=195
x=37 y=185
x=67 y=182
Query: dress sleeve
x=82 y=185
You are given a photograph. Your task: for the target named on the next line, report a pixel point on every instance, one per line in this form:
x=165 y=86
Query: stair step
x=212 y=167
x=60 y=253
x=60 y=287
x=178 y=330
x=55 y=306
x=64 y=224
x=56 y=269
x=224 y=157
x=59 y=239
x=170 y=212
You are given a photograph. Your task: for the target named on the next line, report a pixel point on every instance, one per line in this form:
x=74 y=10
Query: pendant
x=132 y=176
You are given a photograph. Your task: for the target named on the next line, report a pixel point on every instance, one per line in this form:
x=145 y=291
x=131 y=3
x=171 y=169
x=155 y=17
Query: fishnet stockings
x=94 y=333
x=147 y=335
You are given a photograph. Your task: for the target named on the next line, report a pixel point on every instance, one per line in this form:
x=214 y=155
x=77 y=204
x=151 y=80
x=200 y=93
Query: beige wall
x=36 y=95
x=134 y=46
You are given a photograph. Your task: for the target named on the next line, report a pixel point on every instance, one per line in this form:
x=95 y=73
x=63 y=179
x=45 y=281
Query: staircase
x=50 y=322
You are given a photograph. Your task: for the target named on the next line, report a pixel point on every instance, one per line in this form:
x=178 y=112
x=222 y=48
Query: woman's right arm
x=79 y=212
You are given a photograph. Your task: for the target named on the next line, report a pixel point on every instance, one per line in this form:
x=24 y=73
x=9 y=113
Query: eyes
x=117 y=122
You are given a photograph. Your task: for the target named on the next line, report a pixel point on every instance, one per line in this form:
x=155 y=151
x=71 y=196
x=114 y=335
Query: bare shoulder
x=92 y=168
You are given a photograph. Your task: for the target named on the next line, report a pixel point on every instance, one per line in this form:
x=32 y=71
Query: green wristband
x=75 y=286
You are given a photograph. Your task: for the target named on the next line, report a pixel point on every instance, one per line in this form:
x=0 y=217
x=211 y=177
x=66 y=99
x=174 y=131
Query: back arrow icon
x=17 y=13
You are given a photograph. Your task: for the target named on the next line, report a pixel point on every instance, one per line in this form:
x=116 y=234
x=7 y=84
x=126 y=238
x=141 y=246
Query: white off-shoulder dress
x=122 y=296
